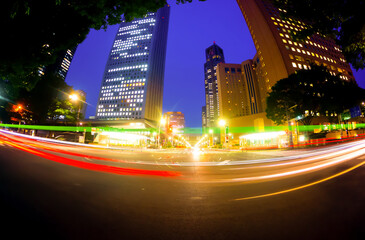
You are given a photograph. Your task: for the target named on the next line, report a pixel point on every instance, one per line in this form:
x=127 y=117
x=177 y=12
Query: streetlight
x=163 y=122
x=74 y=97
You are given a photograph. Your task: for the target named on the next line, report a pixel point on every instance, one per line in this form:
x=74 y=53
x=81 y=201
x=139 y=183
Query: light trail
x=95 y=167
x=327 y=154
x=304 y=170
x=195 y=154
x=303 y=186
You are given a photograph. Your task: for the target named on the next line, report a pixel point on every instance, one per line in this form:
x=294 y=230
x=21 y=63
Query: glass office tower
x=133 y=79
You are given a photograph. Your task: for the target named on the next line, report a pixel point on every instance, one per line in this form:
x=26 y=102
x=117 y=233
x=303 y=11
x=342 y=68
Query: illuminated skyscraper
x=133 y=79
x=214 y=55
x=278 y=54
x=61 y=65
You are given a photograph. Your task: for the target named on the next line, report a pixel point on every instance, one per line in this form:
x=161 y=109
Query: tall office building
x=214 y=55
x=278 y=55
x=132 y=85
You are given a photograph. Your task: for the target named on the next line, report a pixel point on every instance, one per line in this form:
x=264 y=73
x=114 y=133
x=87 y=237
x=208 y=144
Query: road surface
x=51 y=190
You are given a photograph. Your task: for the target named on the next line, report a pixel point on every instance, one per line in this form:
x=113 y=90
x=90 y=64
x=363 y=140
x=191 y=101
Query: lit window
x=294 y=64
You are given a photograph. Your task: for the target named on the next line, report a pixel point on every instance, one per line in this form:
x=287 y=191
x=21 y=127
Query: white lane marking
x=224 y=162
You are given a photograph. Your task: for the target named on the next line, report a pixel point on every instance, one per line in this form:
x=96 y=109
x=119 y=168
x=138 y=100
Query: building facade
x=249 y=76
x=232 y=91
x=278 y=55
x=214 y=55
x=132 y=84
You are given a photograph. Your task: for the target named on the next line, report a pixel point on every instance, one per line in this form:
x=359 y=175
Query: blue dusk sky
x=193 y=27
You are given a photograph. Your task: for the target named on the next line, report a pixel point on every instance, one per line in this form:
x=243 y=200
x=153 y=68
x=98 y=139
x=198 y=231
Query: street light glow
x=222 y=122
x=74 y=97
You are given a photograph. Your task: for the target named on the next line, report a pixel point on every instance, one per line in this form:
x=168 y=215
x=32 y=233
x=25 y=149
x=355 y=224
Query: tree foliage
x=308 y=93
x=342 y=20
x=36 y=32
x=63 y=109
x=37 y=102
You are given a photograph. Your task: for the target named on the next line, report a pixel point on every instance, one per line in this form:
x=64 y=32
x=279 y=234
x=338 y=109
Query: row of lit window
x=129 y=100
x=143 y=67
x=128 y=27
x=118 y=49
x=290 y=22
x=126 y=53
x=121 y=109
x=134 y=55
x=310 y=54
x=129 y=40
x=115 y=105
x=282 y=25
x=145 y=20
x=132 y=32
x=115 y=114
x=124 y=87
x=308 y=42
x=304 y=66
x=123 y=81
x=301 y=59
x=128 y=94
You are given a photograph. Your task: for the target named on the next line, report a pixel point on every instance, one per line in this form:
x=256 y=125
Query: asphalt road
x=57 y=191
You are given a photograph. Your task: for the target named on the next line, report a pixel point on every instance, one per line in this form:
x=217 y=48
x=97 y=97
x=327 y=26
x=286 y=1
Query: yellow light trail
x=303 y=186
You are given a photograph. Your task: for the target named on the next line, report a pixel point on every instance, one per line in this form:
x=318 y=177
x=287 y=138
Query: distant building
x=132 y=84
x=214 y=55
x=61 y=65
x=174 y=120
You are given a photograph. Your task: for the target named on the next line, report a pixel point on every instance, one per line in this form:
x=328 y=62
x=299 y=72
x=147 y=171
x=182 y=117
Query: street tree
x=62 y=109
x=341 y=20
x=39 y=100
x=310 y=93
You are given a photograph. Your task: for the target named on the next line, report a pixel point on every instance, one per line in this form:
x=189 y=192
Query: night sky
x=193 y=27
